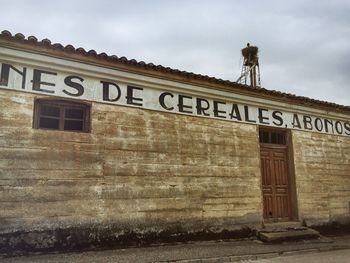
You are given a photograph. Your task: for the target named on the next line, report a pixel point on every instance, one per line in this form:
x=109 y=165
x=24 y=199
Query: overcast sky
x=304 y=46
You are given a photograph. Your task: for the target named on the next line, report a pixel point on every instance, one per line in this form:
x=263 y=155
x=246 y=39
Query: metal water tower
x=250 y=68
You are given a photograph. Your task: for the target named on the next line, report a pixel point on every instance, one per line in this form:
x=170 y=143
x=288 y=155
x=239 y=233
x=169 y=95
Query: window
x=273 y=137
x=61 y=115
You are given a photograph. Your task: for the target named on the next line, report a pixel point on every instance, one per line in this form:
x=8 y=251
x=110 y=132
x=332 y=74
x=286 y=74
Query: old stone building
x=97 y=148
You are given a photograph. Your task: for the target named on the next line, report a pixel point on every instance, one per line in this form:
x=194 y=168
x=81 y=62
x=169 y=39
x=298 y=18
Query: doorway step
x=286 y=231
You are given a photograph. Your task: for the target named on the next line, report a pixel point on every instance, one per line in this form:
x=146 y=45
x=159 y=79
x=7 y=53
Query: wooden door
x=275 y=183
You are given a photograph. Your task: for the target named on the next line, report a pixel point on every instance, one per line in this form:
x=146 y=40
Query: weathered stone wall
x=322 y=170
x=139 y=170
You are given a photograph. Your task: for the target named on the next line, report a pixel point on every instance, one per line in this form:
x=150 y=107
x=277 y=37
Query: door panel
x=274 y=171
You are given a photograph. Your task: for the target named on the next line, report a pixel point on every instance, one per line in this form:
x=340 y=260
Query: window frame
x=63 y=105
x=270 y=132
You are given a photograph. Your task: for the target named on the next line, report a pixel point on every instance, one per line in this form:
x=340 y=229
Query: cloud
x=303 y=45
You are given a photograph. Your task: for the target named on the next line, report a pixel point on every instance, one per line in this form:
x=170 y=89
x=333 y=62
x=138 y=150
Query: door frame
x=294 y=216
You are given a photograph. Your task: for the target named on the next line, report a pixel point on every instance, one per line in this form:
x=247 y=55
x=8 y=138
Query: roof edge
x=141 y=67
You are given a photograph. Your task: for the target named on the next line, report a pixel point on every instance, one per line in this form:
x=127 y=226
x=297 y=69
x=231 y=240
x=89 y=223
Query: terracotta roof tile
x=31 y=40
x=46 y=42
